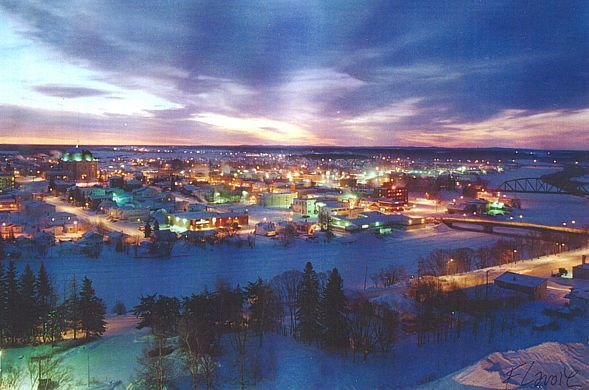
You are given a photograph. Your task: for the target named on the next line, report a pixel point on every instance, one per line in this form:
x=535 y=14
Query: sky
x=277 y=72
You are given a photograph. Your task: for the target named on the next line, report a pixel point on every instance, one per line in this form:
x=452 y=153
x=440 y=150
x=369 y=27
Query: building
x=7 y=182
x=37 y=209
x=277 y=199
x=304 y=206
x=265 y=229
x=10 y=229
x=579 y=299
x=375 y=220
x=532 y=286
x=199 y=220
x=581 y=271
x=398 y=195
x=80 y=164
x=8 y=203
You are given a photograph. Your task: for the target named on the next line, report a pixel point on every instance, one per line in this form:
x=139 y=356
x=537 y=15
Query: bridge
x=535 y=185
x=488 y=225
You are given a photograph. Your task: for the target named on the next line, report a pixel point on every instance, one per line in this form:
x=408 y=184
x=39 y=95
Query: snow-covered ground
x=549 y=365
x=118 y=276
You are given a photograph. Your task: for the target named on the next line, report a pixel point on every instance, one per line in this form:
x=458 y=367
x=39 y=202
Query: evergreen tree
x=92 y=310
x=160 y=313
x=307 y=306
x=264 y=309
x=147 y=230
x=3 y=313
x=72 y=307
x=43 y=299
x=13 y=312
x=156 y=226
x=334 y=312
x=28 y=312
x=2 y=252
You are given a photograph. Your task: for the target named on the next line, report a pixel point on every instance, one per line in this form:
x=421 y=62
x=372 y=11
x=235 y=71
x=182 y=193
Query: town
x=424 y=224
x=294 y=195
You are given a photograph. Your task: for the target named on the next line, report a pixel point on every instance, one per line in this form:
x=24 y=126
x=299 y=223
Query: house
x=533 y=286
x=60 y=218
x=579 y=298
x=36 y=209
x=8 y=203
x=265 y=229
x=581 y=271
x=8 y=229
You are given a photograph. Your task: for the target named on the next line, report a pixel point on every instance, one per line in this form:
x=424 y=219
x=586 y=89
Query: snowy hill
x=549 y=366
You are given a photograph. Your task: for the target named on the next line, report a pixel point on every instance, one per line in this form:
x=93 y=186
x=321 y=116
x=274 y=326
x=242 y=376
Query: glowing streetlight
x=448 y=270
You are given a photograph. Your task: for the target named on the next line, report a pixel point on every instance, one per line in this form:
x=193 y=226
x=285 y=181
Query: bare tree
x=46 y=371
x=286 y=286
x=239 y=342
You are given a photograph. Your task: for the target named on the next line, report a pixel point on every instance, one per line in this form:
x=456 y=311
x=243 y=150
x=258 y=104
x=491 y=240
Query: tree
x=147 y=230
x=286 y=286
x=2 y=252
x=200 y=335
x=333 y=313
x=12 y=302
x=72 y=307
x=28 y=312
x=372 y=325
x=307 y=308
x=156 y=226
x=160 y=313
x=264 y=309
x=3 y=309
x=46 y=371
x=92 y=310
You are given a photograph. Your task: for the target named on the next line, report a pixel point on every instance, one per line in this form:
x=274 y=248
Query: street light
x=513 y=255
x=448 y=270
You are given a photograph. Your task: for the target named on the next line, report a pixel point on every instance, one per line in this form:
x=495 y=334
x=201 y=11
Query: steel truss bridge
x=536 y=185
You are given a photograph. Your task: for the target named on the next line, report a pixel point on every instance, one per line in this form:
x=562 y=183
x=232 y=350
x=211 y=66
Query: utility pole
x=88 y=354
x=365 y=275
x=487 y=286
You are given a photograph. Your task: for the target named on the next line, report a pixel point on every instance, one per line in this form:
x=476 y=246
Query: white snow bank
x=549 y=365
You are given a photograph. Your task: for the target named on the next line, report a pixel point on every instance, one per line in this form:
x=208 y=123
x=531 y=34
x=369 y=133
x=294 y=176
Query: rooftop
x=520 y=280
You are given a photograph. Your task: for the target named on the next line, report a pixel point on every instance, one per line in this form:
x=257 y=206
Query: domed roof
x=77 y=154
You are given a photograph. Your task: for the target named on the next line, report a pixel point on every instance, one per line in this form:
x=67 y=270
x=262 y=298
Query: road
x=94 y=219
x=541 y=267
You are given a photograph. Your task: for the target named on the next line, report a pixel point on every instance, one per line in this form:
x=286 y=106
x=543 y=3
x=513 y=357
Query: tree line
x=32 y=313
x=452 y=261
x=312 y=309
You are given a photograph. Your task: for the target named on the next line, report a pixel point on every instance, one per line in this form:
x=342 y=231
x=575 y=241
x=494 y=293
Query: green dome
x=77 y=154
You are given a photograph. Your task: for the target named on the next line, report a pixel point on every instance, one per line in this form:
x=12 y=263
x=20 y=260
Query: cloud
x=329 y=71
x=265 y=130
x=68 y=92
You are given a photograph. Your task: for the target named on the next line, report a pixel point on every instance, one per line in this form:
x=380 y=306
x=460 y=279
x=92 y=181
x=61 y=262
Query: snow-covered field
x=117 y=276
